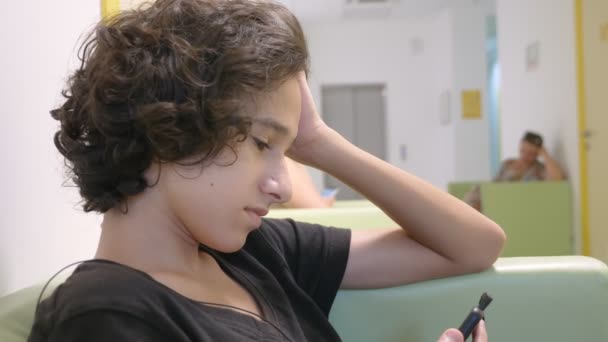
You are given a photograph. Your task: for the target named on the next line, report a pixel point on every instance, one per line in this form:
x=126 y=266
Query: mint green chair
x=347 y=217
x=17 y=311
x=558 y=299
x=536 y=216
x=353 y=204
x=459 y=189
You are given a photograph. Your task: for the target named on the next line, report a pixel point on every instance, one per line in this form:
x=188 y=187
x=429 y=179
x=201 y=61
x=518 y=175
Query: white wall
x=452 y=59
x=472 y=137
x=441 y=55
x=40 y=225
x=543 y=99
x=375 y=51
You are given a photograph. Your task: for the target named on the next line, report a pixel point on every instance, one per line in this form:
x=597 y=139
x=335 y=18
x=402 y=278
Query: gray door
x=356 y=112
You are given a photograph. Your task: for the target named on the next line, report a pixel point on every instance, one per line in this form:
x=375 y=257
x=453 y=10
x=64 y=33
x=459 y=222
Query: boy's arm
x=439 y=236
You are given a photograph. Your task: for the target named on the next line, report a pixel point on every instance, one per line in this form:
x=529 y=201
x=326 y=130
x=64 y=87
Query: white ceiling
x=320 y=10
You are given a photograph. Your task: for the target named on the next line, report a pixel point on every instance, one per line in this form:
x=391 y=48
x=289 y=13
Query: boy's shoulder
x=102 y=285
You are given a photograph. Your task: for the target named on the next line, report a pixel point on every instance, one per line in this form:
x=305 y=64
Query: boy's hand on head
x=311 y=126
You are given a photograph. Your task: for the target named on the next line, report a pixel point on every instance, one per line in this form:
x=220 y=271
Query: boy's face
x=222 y=202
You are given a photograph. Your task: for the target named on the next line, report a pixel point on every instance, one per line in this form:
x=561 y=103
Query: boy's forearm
x=431 y=216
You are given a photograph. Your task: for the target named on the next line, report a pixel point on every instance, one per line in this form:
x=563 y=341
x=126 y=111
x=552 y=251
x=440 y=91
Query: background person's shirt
x=293 y=270
x=509 y=173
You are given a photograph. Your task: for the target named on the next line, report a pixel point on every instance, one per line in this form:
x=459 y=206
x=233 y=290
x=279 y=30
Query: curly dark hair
x=169 y=81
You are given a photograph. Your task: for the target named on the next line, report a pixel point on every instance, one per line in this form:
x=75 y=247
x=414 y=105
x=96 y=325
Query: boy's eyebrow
x=272 y=124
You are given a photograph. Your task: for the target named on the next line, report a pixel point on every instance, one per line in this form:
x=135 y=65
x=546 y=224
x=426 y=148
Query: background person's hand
x=329 y=201
x=453 y=335
x=542 y=152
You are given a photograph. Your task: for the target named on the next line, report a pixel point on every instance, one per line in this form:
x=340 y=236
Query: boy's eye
x=261 y=145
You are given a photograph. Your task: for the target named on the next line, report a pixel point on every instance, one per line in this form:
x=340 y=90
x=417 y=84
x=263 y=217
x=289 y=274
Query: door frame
x=582 y=126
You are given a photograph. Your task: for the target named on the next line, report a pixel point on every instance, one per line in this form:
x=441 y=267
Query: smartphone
x=475 y=315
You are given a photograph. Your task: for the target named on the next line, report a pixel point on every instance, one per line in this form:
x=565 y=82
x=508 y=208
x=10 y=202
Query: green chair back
x=536 y=216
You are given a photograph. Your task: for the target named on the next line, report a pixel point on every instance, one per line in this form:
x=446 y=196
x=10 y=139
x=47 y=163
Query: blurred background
x=441 y=88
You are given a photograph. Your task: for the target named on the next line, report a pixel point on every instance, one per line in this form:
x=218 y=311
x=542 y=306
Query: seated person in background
x=525 y=168
x=304 y=191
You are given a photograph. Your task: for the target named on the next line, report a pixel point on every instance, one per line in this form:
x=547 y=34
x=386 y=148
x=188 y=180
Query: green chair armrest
x=558 y=299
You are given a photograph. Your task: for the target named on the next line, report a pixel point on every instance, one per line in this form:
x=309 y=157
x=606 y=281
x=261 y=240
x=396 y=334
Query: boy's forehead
x=277 y=109
x=270 y=122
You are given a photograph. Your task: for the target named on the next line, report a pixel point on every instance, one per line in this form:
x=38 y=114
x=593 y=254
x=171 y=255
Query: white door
x=594 y=15
x=356 y=112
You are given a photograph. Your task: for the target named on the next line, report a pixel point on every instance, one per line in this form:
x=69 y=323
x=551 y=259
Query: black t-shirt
x=293 y=270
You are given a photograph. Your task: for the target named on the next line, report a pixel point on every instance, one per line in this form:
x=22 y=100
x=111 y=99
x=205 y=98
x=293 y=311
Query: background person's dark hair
x=166 y=82
x=533 y=138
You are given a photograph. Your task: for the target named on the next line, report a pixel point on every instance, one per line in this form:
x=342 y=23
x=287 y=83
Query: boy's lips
x=258 y=211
